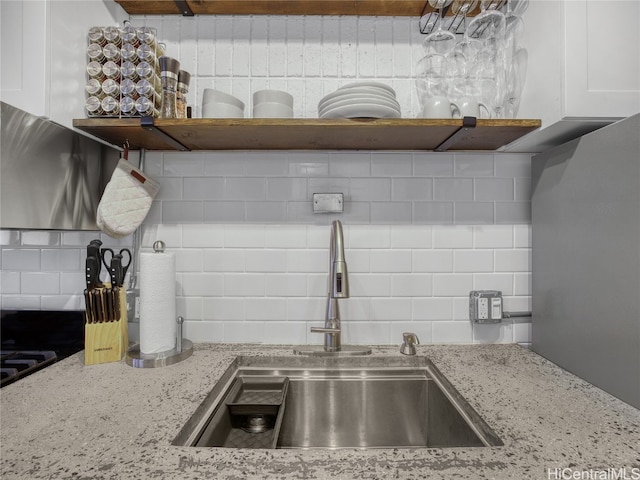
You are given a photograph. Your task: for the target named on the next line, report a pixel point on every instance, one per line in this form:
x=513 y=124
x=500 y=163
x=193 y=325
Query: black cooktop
x=34 y=339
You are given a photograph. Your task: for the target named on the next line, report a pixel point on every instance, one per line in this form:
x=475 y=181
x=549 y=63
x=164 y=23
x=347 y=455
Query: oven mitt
x=126 y=200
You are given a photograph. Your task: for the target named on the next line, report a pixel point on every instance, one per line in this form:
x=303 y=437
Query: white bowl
x=272 y=96
x=272 y=110
x=221 y=110
x=211 y=95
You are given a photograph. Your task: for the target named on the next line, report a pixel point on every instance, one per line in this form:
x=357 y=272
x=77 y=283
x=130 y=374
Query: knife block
x=107 y=341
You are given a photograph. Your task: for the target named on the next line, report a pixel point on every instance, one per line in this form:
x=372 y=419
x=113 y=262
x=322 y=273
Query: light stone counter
x=113 y=421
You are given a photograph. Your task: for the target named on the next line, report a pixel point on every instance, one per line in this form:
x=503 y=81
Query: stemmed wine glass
x=439 y=41
x=489 y=24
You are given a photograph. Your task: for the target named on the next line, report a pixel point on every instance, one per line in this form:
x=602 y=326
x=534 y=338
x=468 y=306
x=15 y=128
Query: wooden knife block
x=107 y=341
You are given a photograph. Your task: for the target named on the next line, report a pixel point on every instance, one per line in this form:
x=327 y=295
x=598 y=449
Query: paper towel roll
x=157 y=302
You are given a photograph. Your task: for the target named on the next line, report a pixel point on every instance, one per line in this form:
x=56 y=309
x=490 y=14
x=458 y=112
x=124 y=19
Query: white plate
x=370 y=84
x=362 y=110
x=360 y=91
x=359 y=100
x=351 y=96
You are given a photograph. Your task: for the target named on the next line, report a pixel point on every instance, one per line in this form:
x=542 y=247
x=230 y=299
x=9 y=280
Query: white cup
x=471 y=107
x=438 y=107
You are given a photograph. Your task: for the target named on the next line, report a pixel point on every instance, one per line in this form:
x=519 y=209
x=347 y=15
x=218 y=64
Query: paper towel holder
x=182 y=350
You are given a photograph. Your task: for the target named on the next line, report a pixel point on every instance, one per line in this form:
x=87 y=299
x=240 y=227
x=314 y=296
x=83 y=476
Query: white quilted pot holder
x=126 y=200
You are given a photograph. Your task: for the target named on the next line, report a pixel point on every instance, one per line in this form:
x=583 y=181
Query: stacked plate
x=360 y=100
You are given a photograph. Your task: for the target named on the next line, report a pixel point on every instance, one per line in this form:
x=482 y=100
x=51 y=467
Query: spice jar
x=169 y=68
x=181 y=95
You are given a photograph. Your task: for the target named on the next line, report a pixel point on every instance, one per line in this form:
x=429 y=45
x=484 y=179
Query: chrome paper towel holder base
x=182 y=351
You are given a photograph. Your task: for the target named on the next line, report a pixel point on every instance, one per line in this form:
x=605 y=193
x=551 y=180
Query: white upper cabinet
x=602 y=52
x=44 y=53
x=584 y=59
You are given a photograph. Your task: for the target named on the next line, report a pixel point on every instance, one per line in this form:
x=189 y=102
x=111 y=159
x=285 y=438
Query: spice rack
x=123 y=73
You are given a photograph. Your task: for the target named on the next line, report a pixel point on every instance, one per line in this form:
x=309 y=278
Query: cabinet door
x=602 y=58
x=25 y=69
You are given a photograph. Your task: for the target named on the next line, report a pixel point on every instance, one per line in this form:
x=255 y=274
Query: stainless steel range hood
x=51 y=177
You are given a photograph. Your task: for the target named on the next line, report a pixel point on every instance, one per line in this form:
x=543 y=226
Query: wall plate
x=328 y=203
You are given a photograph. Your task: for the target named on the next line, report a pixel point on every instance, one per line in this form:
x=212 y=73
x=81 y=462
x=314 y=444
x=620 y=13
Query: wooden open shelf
x=275 y=7
x=307 y=134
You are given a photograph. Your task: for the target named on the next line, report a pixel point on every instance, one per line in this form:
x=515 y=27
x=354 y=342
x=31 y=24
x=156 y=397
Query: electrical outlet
x=485 y=306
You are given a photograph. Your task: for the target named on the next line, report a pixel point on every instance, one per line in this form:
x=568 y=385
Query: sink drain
x=257 y=423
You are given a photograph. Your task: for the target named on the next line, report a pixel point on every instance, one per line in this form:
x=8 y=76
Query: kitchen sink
x=307 y=402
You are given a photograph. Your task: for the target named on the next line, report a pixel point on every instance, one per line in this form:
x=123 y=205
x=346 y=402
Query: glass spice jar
x=169 y=68
x=181 y=95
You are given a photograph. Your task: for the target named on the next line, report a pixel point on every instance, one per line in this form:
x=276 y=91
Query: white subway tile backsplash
x=473 y=165
x=521 y=332
x=429 y=309
x=493 y=236
x=411 y=237
x=452 y=332
x=493 y=333
x=266 y=309
x=306 y=309
x=493 y=281
x=204 y=331
x=452 y=237
x=494 y=189
x=40 y=283
x=411 y=285
x=62 y=302
x=433 y=164
x=389 y=309
x=367 y=285
x=522 y=236
x=189 y=260
x=452 y=285
x=178 y=212
x=244 y=332
x=522 y=283
x=21 y=302
x=224 y=309
x=421 y=228
x=244 y=285
x=471 y=213
x=433 y=213
x=285 y=333
x=40 y=238
x=286 y=285
x=513 y=260
x=10 y=282
x=391 y=261
x=27 y=259
x=61 y=259
x=453 y=189
x=432 y=261
x=473 y=261
x=307 y=261
x=203 y=284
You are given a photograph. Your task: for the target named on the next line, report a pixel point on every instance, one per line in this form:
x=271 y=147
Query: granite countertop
x=112 y=421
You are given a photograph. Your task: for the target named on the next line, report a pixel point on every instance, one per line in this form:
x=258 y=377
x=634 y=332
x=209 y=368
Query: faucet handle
x=409 y=342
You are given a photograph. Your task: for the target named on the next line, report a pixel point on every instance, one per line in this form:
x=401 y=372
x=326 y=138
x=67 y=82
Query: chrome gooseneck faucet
x=338 y=288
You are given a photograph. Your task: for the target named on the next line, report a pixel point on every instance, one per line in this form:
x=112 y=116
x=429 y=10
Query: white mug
x=471 y=107
x=438 y=107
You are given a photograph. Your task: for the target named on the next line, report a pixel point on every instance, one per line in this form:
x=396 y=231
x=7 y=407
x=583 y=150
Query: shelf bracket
x=467 y=124
x=184 y=8
x=147 y=124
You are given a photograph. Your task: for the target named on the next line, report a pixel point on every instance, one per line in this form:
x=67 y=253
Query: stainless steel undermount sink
x=309 y=402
